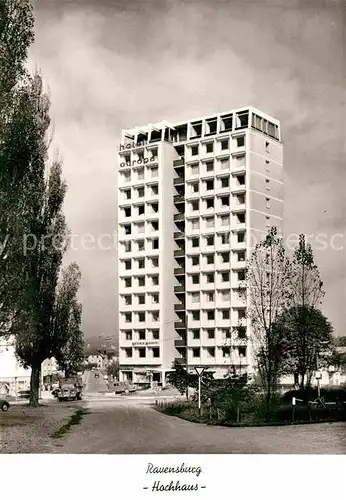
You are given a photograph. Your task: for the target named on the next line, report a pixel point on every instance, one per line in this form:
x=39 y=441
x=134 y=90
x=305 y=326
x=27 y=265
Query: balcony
x=181 y=360
x=179 y=271
x=178 y=163
x=180 y=343
x=179 y=217
x=179 y=324
x=179 y=288
x=178 y=180
x=178 y=235
x=179 y=252
x=178 y=198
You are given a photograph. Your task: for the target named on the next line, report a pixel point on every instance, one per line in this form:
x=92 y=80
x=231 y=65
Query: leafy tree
x=267 y=279
x=310 y=341
x=45 y=242
x=68 y=336
x=178 y=377
x=16 y=152
x=310 y=332
x=113 y=369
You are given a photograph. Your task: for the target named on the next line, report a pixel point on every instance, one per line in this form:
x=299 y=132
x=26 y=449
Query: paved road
x=133 y=427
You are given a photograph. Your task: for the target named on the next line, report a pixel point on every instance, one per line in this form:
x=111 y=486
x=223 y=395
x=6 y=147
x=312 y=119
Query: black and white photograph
x=172 y=232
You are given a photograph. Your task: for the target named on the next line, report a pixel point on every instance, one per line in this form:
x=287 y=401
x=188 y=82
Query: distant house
x=13 y=376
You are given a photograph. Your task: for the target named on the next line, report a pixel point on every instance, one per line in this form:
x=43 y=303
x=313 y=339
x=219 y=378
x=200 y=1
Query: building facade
x=193 y=199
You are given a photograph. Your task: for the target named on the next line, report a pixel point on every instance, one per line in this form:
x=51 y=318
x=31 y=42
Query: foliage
x=310 y=341
x=267 y=279
x=113 y=369
x=178 y=377
x=16 y=152
x=67 y=322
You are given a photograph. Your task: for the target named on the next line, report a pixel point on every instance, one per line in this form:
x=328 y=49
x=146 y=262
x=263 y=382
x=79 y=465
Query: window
x=225 y=352
x=141 y=281
x=241 y=256
x=140 y=245
x=209 y=166
x=241 y=237
x=240 y=141
x=196 y=352
x=128 y=317
x=224 y=144
x=127 y=282
x=225 y=277
x=225 y=295
x=154 y=190
x=225 y=182
x=140 y=228
x=140 y=192
x=210 y=185
x=195 y=205
x=141 y=263
x=141 y=317
x=195 y=260
x=128 y=335
x=141 y=352
x=225 y=201
x=140 y=209
x=195 y=242
x=210 y=297
x=127 y=228
x=267 y=221
x=195 y=187
x=140 y=174
x=194 y=150
x=225 y=314
x=241 y=314
x=127 y=246
x=195 y=224
x=240 y=161
x=156 y=352
x=225 y=257
x=225 y=239
x=156 y=334
x=209 y=148
x=240 y=180
x=209 y=221
x=211 y=315
x=210 y=277
x=195 y=315
x=155 y=244
x=127 y=212
x=240 y=218
x=224 y=164
x=241 y=275
x=267 y=185
x=195 y=334
x=210 y=202
x=242 y=351
x=127 y=194
x=154 y=225
x=128 y=300
x=195 y=279
x=267 y=146
x=195 y=298
x=154 y=172
x=155 y=298
x=194 y=169
x=224 y=220
x=267 y=202
x=127 y=264
x=210 y=240
x=154 y=262
x=210 y=259
x=128 y=352
x=141 y=299
x=141 y=334
x=155 y=316
x=154 y=280
x=211 y=333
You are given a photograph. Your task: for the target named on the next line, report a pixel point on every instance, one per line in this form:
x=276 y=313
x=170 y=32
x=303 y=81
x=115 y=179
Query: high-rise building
x=193 y=198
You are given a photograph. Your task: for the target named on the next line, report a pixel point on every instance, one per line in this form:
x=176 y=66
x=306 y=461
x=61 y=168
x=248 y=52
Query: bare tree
x=267 y=279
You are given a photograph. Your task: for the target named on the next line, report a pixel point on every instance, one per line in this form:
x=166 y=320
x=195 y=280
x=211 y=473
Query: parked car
x=97 y=375
x=4 y=404
x=105 y=377
x=123 y=388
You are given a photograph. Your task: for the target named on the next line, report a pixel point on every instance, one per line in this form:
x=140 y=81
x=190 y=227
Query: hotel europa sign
x=140 y=161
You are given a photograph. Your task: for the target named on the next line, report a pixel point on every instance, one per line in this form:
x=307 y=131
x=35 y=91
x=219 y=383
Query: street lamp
x=199 y=370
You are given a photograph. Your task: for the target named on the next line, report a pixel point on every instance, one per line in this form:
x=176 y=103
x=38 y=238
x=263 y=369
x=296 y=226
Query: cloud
x=113 y=66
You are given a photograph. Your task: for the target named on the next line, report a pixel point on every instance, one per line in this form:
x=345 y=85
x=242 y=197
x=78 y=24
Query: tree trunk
x=35 y=385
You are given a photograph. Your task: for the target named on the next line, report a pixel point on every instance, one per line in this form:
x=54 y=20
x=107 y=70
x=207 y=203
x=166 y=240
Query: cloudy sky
x=113 y=64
